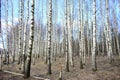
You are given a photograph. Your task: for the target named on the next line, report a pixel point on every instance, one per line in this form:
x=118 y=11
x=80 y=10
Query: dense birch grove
x=53 y=29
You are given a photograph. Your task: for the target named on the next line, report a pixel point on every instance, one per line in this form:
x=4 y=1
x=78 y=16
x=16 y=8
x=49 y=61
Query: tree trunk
x=49 y=36
x=28 y=62
x=24 y=41
x=6 y=24
x=20 y=33
x=46 y=45
x=70 y=33
x=66 y=37
x=80 y=37
x=94 y=65
x=109 y=42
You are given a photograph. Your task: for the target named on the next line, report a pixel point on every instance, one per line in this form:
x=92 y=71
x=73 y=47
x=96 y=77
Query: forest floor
x=105 y=71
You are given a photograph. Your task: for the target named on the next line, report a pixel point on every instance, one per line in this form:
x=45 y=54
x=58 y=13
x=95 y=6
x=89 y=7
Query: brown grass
x=105 y=70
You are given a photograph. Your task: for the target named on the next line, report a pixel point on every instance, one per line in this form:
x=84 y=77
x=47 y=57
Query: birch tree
x=24 y=41
x=82 y=33
x=94 y=65
x=70 y=33
x=6 y=24
x=49 y=36
x=28 y=61
x=20 y=31
x=109 y=42
x=13 y=51
x=80 y=39
x=46 y=52
x=66 y=37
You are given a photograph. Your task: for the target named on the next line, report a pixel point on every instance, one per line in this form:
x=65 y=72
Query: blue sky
x=15 y=2
x=60 y=5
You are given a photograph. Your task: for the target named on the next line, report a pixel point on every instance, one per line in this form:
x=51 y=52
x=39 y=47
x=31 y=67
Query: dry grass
x=105 y=71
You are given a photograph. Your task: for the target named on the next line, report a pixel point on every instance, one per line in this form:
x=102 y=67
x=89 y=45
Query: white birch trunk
x=70 y=34
x=66 y=36
x=94 y=66
x=28 y=62
x=80 y=37
x=6 y=24
x=24 y=41
x=109 y=42
x=49 y=36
